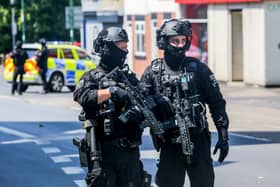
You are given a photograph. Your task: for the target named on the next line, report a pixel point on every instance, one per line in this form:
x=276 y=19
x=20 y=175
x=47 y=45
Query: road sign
x=77 y=17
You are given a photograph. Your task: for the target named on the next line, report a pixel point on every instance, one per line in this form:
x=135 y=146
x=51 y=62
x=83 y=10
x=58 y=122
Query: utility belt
x=172 y=130
x=194 y=132
x=122 y=143
x=200 y=124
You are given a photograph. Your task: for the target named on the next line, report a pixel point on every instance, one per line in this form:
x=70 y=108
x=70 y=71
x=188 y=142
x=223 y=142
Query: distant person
x=19 y=57
x=42 y=62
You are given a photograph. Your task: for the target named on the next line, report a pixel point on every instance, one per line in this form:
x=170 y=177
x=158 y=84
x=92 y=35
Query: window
x=197 y=15
x=68 y=53
x=53 y=53
x=140 y=39
x=83 y=55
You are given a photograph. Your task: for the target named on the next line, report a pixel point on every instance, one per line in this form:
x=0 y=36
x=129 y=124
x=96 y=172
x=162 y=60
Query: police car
x=66 y=65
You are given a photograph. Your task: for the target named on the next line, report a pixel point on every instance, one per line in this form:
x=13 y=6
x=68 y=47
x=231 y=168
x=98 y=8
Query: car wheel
x=71 y=88
x=56 y=82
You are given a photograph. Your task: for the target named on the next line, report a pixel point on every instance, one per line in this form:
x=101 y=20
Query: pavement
x=252 y=108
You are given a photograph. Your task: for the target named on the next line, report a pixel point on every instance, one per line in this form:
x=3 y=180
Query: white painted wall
x=103 y=6
x=92 y=30
x=272 y=36
x=253 y=44
x=219 y=38
x=261 y=38
x=142 y=7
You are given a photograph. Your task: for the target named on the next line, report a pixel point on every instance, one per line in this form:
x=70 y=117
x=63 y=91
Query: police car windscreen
x=30 y=52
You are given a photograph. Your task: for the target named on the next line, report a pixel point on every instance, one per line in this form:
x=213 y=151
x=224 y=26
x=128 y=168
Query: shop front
x=243 y=39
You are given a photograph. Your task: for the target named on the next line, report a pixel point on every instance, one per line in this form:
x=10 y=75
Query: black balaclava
x=174 y=56
x=115 y=57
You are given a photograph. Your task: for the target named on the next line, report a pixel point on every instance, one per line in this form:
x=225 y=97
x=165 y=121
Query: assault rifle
x=138 y=101
x=182 y=112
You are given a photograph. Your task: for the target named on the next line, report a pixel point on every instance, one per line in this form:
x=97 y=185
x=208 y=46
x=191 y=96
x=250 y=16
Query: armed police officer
x=19 y=57
x=115 y=157
x=188 y=85
x=42 y=62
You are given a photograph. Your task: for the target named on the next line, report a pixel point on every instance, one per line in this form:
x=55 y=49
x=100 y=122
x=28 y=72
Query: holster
x=83 y=152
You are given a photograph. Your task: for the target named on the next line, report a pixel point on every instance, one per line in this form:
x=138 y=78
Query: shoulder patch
x=213 y=80
x=156 y=64
x=96 y=73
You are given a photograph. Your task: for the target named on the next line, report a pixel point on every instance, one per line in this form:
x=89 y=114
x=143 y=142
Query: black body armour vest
x=165 y=84
x=109 y=127
x=164 y=77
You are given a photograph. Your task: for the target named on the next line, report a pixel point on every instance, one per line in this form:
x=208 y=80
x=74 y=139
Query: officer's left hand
x=118 y=94
x=222 y=145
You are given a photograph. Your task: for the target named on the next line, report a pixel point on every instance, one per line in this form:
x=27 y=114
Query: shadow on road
x=238 y=138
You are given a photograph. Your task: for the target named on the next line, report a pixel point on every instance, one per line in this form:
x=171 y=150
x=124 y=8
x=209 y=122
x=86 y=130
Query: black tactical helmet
x=108 y=37
x=43 y=41
x=18 y=44
x=173 y=27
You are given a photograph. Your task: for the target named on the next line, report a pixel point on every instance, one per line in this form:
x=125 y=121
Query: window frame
x=70 y=50
x=140 y=30
x=85 y=57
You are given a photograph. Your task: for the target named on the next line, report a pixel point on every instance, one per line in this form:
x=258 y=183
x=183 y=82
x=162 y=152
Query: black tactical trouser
x=17 y=86
x=120 y=168
x=173 y=165
x=44 y=79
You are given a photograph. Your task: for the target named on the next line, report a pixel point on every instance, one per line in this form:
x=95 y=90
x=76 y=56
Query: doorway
x=237 y=45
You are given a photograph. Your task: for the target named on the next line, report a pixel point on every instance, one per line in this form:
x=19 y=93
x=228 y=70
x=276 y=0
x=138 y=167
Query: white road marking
x=64 y=158
x=64 y=138
x=60 y=159
x=49 y=150
x=77 y=131
x=149 y=154
x=73 y=170
x=41 y=142
x=15 y=132
x=80 y=183
x=17 y=141
x=250 y=137
x=146 y=132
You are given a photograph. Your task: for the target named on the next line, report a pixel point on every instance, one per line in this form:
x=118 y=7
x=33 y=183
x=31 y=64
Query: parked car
x=66 y=65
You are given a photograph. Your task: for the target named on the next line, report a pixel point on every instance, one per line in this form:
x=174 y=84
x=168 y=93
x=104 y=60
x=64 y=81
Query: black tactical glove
x=222 y=144
x=132 y=116
x=118 y=94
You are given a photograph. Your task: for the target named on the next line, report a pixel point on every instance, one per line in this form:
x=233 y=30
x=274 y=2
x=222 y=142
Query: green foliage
x=43 y=18
x=5 y=28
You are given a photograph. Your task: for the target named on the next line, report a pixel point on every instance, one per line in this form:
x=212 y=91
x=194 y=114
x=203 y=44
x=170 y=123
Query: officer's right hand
x=118 y=94
x=132 y=116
